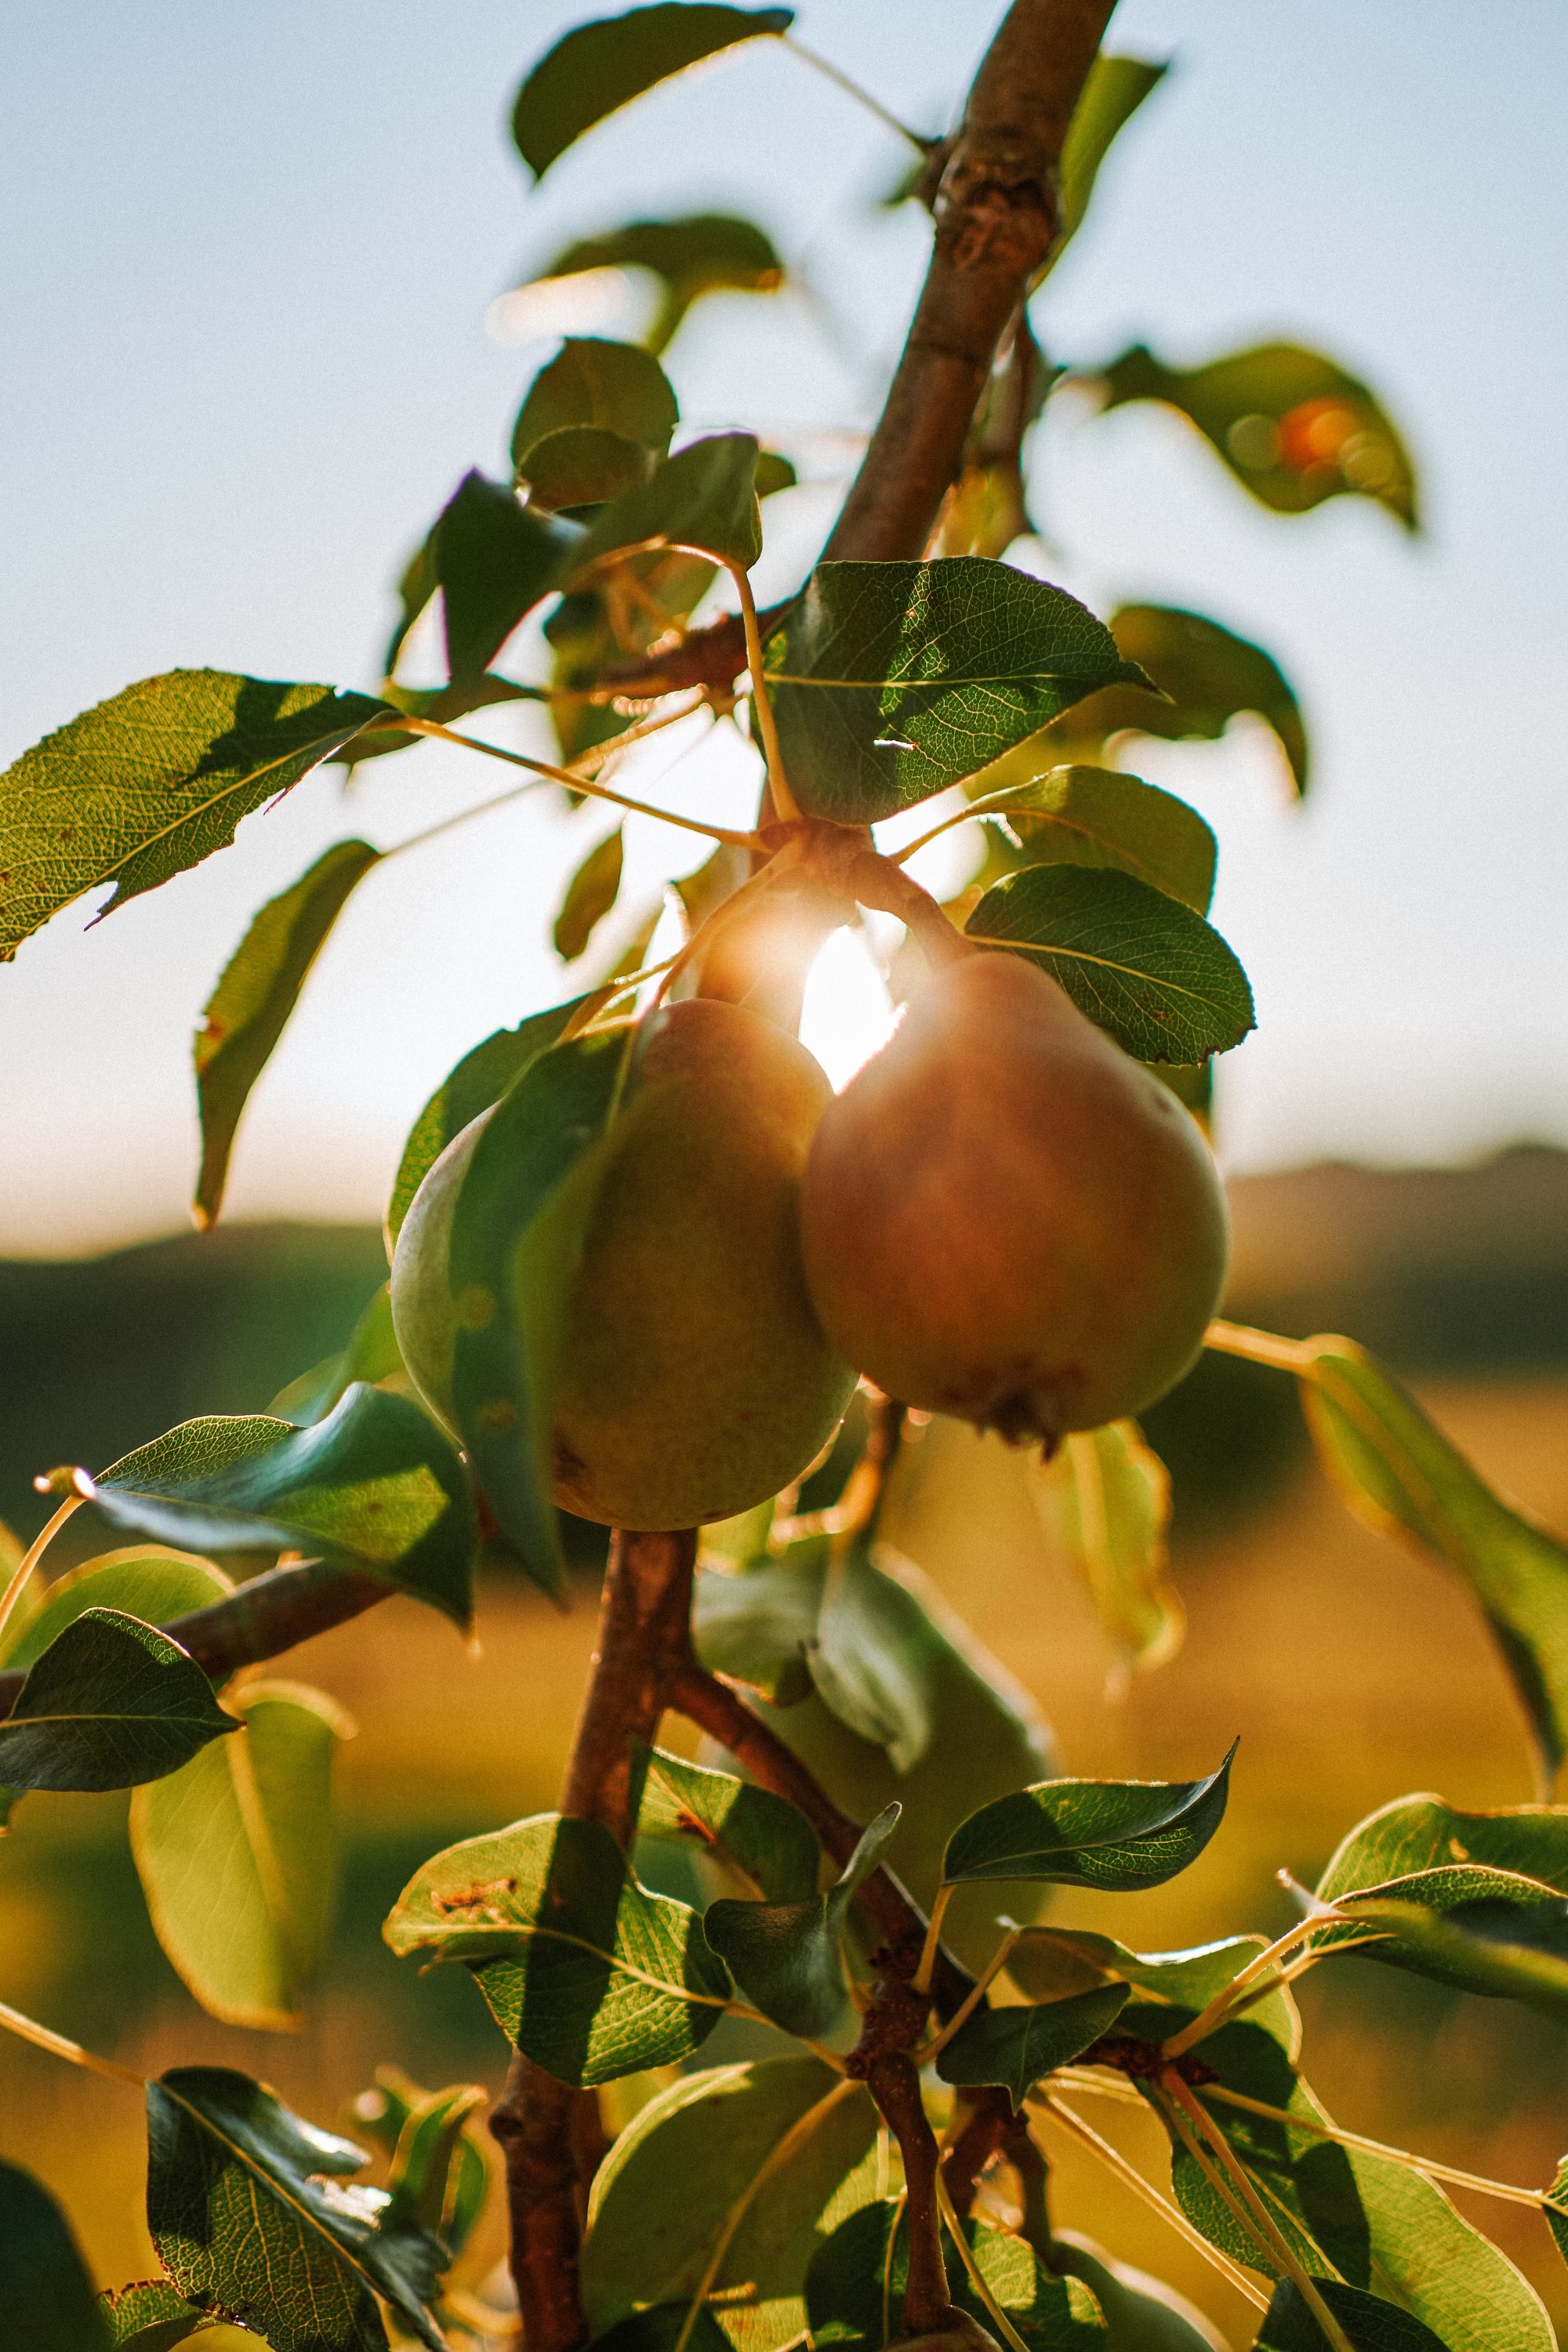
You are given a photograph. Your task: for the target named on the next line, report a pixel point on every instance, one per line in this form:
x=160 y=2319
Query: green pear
x=695 y=1380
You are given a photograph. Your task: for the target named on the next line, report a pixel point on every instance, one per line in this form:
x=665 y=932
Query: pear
x=1007 y=1219
x=696 y=1381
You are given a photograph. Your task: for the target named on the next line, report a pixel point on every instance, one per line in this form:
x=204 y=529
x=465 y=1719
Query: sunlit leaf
x=599 y=67
x=250 y=2210
x=896 y=680
x=1115 y=89
x=145 y=1580
x=235 y=1855
x=1115 y=1835
x=1015 y=2046
x=154 y=2316
x=438 y=2166
x=148 y=783
x=747 y=1827
x=1105 y=1504
x=618 y=388
x=110 y=1703
x=1398 y=1472
x=588 y=1973
x=787 y=1958
x=376 y=1487
x=47 y=2299
x=772 y=2152
x=1143 y=2314
x=704 y=496
x=590 y=895
x=479 y=1079
x=1137 y=962
x=1097 y=816
x=696 y=254
x=246 y=1013
x=1291 y=425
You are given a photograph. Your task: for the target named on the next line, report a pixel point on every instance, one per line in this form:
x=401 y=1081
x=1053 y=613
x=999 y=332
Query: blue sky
x=249 y=264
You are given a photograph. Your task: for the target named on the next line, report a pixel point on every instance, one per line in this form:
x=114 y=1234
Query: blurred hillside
x=1441 y=1270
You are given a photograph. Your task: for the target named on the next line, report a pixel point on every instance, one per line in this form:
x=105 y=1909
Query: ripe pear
x=1007 y=1219
x=695 y=1380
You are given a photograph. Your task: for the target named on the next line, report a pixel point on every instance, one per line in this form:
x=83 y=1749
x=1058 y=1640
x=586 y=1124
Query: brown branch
x=551 y=2132
x=261 y=1619
x=894 y=2082
x=997 y=216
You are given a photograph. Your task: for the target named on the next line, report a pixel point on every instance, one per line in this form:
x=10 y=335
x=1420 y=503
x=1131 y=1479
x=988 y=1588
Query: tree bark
x=549 y=2131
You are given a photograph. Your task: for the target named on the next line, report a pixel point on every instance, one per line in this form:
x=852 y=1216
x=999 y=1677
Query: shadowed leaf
x=738 y=1823
x=582 y=466
x=590 y=895
x=148 y=783
x=787 y=1958
x=864 y=1666
x=704 y=496
x=774 y=2153
x=698 y=253
x=246 y=1013
x=47 y=2298
x=1145 y=968
x=372 y=1355
x=249 y=2207
x=374 y=1486
x=1014 y=2047
x=617 y=388
x=1370 y=2324
x=855 y=2287
x=1116 y=1835
x=110 y=1703
x=600 y=66
x=145 y=1580
x=1105 y=1505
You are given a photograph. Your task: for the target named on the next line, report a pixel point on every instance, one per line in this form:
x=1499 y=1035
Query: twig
x=28 y=2029
x=1130 y=2178
x=873 y=105
x=1262 y=1965
x=785 y=808
x=574 y=782
x=1506 y=2189
x=21 y=1575
x=1259 y=1347
x=965 y=2255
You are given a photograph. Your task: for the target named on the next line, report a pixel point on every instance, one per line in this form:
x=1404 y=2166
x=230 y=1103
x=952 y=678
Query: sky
x=250 y=286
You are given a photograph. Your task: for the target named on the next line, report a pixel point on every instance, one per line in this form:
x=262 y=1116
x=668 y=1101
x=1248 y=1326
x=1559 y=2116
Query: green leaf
x=600 y=66
x=152 y=2317
x=516 y=1234
x=1114 y=1835
x=1142 y=2314
x=1145 y=968
x=1483 y=1931
x=1208 y=674
x=1097 y=817
x=146 y=1580
x=372 y=1355
x=589 y=1974
x=374 y=1487
x=1291 y=425
x=704 y=496
x=758 y=1627
x=415 y=2128
x=863 y=1665
x=1105 y=1505
x=787 y=1958
x=147 y=784
x=1441 y=2266
x=235 y=1855
x=1422 y=1833
x=590 y=895
x=1400 y=1475
x=894 y=680
x=1115 y=89
x=110 y=1703
x=698 y=253
x=493 y=561
x=618 y=388
x=479 y=1079
x=665 y=2328
x=725 y=2186
x=246 y=1013
x=246 y=2207
x=855 y=2287
x=45 y=2295
x=774 y=473
x=1015 y=2046
x=746 y=1827
x=582 y=466
x=1370 y=2324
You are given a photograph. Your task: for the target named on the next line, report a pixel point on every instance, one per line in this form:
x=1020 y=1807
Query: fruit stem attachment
x=786 y=807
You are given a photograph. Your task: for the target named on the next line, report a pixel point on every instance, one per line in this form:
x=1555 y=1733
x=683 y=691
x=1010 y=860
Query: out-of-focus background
x=254 y=336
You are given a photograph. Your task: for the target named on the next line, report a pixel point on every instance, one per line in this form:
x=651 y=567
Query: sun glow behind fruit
x=848 y=1012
